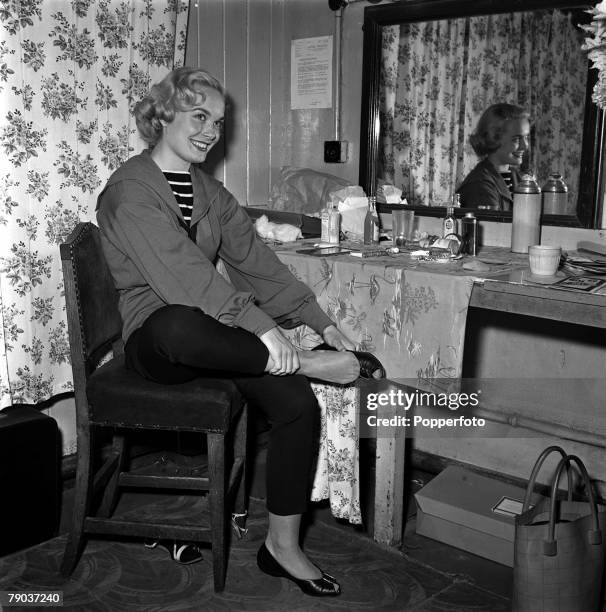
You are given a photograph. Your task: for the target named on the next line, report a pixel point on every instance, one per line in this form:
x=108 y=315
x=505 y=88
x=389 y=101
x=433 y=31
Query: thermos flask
x=526 y=222
x=555 y=195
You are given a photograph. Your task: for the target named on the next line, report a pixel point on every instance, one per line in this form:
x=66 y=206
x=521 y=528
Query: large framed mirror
x=430 y=69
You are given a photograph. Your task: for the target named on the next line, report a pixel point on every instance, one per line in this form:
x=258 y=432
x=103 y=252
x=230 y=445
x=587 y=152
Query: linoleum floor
x=422 y=575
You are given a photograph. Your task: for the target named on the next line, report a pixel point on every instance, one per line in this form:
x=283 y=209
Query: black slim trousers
x=178 y=343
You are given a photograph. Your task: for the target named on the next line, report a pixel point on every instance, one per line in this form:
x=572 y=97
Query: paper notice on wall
x=311 y=73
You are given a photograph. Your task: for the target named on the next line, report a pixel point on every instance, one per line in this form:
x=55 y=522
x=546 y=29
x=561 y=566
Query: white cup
x=544 y=260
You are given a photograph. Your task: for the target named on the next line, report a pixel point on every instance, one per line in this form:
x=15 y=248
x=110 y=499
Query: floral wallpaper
x=70 y=73
x=438 y=77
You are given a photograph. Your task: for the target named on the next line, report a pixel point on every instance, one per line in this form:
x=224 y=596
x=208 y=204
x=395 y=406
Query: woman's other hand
x=337 y=339
x=283 y=357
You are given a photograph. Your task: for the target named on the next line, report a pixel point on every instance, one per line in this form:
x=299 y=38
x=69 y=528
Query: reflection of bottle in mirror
x=371 y=222
x=526 y=222
x=449 y=223
x=555 y=195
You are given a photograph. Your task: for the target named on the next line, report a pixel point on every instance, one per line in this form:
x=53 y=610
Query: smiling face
x=514 y=143
x=189 y=137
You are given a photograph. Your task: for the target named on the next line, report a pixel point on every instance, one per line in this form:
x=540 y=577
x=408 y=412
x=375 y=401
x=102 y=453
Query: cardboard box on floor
x=470 y=511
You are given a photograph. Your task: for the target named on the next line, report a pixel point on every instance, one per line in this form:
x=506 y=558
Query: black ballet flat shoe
x=370 y=366
x=326 y=586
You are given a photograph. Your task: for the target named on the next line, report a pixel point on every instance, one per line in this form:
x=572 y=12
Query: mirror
x=419 y=141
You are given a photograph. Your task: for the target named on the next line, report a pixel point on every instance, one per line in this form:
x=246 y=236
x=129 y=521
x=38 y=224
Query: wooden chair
x=110 y=396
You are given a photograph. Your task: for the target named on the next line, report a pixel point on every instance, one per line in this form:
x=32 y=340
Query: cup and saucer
x=544 y=261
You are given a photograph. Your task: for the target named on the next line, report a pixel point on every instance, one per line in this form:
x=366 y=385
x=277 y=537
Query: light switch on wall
x=335 y=151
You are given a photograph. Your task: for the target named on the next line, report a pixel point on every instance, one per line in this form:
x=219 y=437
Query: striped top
x=183 y=190
x=508 y=180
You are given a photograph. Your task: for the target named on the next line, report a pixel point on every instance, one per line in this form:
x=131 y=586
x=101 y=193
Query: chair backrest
x=94 y=322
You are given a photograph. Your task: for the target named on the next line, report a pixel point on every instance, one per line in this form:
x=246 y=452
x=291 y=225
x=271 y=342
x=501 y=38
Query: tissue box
x=310 y=226
x=353 y=212
x=470 y=511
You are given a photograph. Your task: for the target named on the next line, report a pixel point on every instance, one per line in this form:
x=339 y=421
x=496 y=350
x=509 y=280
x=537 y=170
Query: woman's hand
x=337 y=339
x=283 y=357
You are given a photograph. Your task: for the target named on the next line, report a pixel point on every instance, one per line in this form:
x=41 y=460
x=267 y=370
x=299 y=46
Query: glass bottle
x=324 y=224
x=334 y=224
x=449 y=223
x=371 y=222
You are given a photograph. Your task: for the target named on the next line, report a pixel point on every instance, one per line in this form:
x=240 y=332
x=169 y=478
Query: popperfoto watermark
x=420 y=421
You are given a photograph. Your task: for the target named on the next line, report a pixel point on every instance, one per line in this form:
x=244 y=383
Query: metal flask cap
x=527 y=184
x=555 y=184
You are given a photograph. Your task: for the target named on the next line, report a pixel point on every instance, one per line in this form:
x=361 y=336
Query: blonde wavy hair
x=179 y=90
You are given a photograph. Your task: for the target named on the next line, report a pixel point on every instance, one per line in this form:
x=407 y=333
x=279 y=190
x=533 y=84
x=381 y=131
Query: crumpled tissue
x=392 y=194
x=282 y=232
x=352 y=203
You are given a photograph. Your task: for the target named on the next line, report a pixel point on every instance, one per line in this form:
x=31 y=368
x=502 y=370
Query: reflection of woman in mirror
x=500 y=140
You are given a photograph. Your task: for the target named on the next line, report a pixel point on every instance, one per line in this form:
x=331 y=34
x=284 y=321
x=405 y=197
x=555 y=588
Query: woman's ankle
x=277 y=547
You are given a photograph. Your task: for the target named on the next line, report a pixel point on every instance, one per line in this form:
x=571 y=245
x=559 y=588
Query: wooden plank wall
x=246 y=44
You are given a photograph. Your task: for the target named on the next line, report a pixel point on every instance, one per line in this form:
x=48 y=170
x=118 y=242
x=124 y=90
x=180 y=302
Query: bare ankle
x=274 y=545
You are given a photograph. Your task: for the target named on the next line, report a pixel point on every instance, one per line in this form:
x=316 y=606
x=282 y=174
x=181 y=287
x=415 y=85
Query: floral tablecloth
x=410 y=315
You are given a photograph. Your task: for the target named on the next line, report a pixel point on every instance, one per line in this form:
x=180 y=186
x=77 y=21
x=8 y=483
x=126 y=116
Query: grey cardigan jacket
x=484 y=186
x=154 y=262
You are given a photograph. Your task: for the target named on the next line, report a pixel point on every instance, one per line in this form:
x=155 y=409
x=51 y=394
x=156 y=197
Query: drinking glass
x=402 y=222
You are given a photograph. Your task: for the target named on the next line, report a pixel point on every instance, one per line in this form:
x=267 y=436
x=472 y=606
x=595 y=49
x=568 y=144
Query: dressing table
x=514 y=293
x=412 y=316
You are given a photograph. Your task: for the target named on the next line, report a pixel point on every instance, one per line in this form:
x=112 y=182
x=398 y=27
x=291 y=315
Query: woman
x=500 y=140
x=164 y=224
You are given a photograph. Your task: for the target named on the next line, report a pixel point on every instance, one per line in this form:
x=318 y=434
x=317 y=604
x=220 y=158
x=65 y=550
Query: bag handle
x=594 y=536
x=535 y=473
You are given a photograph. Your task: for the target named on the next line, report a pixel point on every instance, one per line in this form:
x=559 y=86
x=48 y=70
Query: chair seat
x=120 y=397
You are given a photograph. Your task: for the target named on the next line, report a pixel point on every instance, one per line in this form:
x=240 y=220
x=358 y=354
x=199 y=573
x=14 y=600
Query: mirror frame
x=590 y=180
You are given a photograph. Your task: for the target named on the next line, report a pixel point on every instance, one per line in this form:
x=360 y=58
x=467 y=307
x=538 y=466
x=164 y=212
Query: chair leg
x=240 y=511
x=82 y=500
x=218 y=522
x=110 y=496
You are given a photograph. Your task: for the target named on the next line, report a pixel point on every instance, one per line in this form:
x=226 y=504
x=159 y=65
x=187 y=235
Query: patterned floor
x=126 y=576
